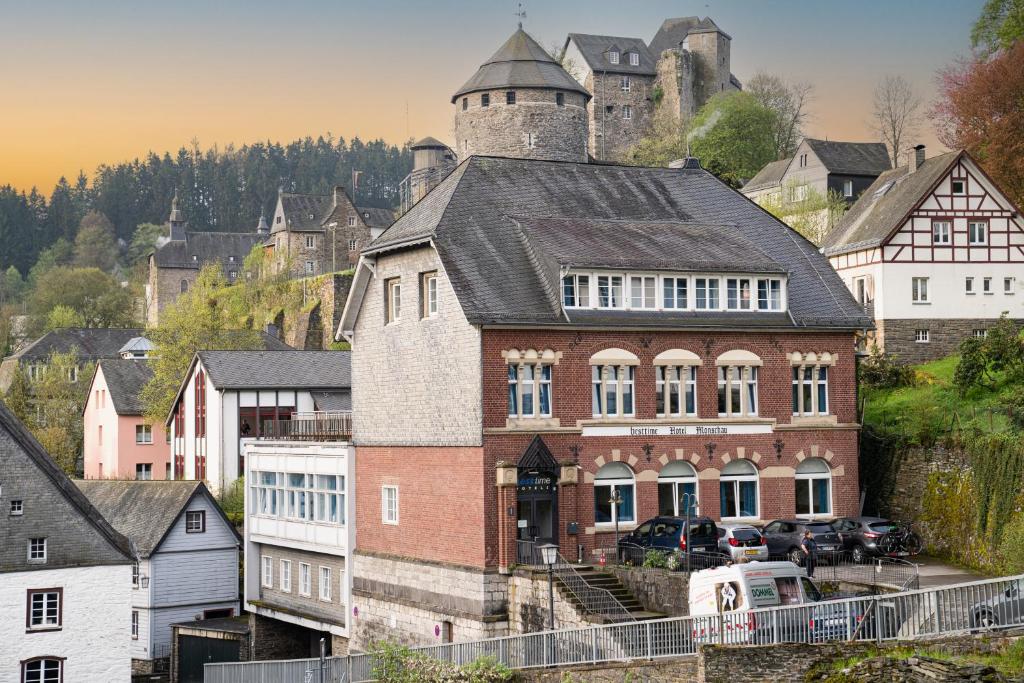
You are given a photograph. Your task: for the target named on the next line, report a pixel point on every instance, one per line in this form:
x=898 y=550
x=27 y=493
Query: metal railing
x=528 y=553
x=989 y=605
x=591 y=599
x=314 y=426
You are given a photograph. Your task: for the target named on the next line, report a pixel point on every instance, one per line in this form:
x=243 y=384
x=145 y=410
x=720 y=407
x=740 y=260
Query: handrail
x=593 y=599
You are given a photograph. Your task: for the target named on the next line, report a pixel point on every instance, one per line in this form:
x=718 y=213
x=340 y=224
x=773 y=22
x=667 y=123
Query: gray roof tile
x=673 y=31
x=768 y=176
x=595 y=48
x=125 y=379
x=278 y=369
x=499 y=276
x=304 y=211
x=851 y=158
x=92 y=343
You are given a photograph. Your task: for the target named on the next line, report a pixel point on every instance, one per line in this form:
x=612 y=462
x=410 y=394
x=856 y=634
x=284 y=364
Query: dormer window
x=613 y=57
x=609 y=291
x=706 y=293
x=645 y=291
x=576 y=291
x=738 y=294
x=634 y=59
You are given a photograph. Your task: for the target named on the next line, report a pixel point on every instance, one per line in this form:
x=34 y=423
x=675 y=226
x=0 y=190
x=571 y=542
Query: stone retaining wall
x=658 y=590
x=657 y=671
x=528 y=600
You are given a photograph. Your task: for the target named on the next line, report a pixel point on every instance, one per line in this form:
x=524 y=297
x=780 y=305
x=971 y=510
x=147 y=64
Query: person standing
x=810 y=549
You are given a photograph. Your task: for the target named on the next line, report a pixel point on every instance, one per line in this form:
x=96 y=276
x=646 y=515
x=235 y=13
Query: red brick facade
x=451 y=509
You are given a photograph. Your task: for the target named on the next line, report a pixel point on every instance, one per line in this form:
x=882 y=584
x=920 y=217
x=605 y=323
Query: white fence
x=980 y=605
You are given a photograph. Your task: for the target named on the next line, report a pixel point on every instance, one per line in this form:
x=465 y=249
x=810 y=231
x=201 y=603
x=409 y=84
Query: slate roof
x=125 y=379
x=427 y=143
x=500 y=274
x=144 y=511
x=876 y=214
x=92 y=343
x=332 y=400
x=35 y=451
x=278 y=369
x=647 y=245
x=137 y=344
x=851 y=158
x=520 y=63
x=304 y=212
x=769 y=176
x=673 y=31
x=595 y=48
x=375 y=217
x=201 y=248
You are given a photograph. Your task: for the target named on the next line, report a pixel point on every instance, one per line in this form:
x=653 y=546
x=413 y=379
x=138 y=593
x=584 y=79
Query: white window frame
x=45 y=624
x=266 y=571
x=17 y=507
x=614 y=484
x=393 y=291
x=285 y=576
x=625 y=84
x=533 y=379
x=709 y=286
x=986 y=285
x=676 y=482
x=922 y=336
x=627 y=112
x=683 y=378
x=614 y=286
x=963 y=186
x=634 y=59
x=353 y=244
x=310 y=268
x=670 y=292
x=146 y=472
x=135 y=624
x=942 y=232
x=351 y=221
x=305 y=580
x=734 y=287
x=735 y=480
x=388 y=511
x=143 y=434
x=643 y=292
x=624 y=384
x=969 y=285
x=577 y=286
x=848 y=188
x=816 y=382
x=808 y=479
x=190 y=516
x=33 y=551
x=324 y=587
x=613 y=57
x=1008 y=283
x=746 y=379
x=977 y=233
x=310 y=241
x=979 y=334
x=919 y=290
x=429 y=294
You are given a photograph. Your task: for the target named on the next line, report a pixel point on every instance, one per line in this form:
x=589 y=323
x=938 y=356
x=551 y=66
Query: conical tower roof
x=520 y=63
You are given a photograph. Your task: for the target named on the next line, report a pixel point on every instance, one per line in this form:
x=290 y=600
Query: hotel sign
x=688 y=429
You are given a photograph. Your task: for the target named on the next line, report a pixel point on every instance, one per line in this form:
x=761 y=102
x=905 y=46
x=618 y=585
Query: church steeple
x=263 y=228
x=176 y=222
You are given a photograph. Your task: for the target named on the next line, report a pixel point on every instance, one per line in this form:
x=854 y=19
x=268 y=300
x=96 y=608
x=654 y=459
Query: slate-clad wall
x=501 y=129
x=309 y=606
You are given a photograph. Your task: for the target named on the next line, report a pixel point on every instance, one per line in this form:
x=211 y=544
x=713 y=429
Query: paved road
x=934 y=573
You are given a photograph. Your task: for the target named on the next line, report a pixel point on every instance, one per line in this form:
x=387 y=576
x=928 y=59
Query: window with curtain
x=611 y=478
x=529 y=390
x=810 y=390
x=676 y=388
x=677 y=487
x=612 y=390
x=737 y=390
x=738 y=490
x=813 y=488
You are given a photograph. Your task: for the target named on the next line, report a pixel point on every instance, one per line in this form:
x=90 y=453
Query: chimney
x=916 y=158
x=688 y=162
x=339 y=192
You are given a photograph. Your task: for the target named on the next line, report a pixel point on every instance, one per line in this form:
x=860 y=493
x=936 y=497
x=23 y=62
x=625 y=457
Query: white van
x=721 y=600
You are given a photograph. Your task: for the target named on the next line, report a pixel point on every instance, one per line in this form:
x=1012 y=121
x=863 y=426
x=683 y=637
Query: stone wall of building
x=898 y=337
x=528 y=605
x=710 y=50
x=275 y=639
x=275 y=597
x=165 y=288
x=658 y=590
x=612 y=136
x=558 y=132
x=675 y=79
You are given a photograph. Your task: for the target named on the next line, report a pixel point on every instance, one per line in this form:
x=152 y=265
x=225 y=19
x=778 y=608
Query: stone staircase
x=598 y=578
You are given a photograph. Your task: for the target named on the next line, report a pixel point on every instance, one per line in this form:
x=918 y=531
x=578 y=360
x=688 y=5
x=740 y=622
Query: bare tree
x=896 y=114
x=788 y=101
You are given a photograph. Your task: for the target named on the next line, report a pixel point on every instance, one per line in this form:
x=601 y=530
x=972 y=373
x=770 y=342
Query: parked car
x=860 y=535
x=742 y=541
x=668 y=534
x=784 y=537
x=1004 y=609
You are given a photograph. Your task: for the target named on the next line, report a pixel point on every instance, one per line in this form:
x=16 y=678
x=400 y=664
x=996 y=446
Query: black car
x=784 y=537
x=668 y=534
x=861 y=535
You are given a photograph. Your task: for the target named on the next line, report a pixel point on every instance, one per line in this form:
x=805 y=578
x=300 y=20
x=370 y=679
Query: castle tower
x=176 y=221
x=432 y=161
x=522 y=103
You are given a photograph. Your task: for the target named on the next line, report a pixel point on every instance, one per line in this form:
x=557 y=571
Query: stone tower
x=521 y=103
x=432 y=161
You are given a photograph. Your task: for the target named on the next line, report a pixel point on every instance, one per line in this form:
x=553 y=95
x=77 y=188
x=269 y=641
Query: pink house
x=119 y=444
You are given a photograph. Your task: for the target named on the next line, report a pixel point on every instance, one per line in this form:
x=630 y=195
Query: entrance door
x=537 y=501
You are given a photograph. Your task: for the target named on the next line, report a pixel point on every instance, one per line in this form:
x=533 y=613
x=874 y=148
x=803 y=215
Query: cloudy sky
x=103 y=81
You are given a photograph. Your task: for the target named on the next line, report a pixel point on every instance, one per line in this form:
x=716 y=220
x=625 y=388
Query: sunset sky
x=84 y=83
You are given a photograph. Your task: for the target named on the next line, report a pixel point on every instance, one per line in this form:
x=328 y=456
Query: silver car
x=742 y=541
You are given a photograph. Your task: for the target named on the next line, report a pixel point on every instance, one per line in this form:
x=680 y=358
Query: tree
x=143 y=242
x=63 y=316
x=788 y=101
x=11 y=285
x=665 y=142
x=732 y=136
x=95 y=246
x=809 y=211
x=1000 y=26
x=96 y=296
x=979 y=109
x=196 y=321
x=896 y=114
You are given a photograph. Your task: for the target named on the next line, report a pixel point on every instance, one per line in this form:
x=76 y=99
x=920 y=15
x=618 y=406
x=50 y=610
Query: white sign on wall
x=688 y=429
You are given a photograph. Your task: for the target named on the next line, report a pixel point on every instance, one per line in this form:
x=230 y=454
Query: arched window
x=677 y=488
x=615 y=477
x=43 y=670
x=738 y=490
x=813 y=488
x=184 y=286
x=612 y=375
x=737 y=383
x=676 y=382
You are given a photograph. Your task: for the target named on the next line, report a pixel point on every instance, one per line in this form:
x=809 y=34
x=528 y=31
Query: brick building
x=534 y=337
x=312 y=234
x=934 y=251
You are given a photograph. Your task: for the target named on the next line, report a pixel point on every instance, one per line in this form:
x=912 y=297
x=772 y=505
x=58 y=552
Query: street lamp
x=549 y=554
x=616 y=501
x=689 y=501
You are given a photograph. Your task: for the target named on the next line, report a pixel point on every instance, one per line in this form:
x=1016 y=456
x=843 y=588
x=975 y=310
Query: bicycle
x=900 y=541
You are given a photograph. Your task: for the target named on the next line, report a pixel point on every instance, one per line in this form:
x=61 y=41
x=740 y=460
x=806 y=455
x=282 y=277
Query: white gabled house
x=228 y=396
x=65 y=573
x=934 y=251
x=186 y=557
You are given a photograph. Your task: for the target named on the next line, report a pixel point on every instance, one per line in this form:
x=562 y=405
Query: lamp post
x=616 y=501
x=689 y=501
x=549 y=553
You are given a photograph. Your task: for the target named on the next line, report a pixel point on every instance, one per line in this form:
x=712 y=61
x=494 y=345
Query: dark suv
x=861 y=535
x=784 y=537
x=669 y=533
